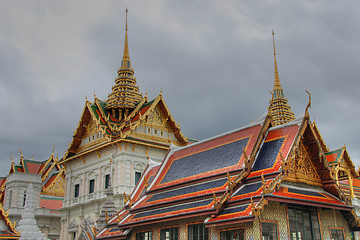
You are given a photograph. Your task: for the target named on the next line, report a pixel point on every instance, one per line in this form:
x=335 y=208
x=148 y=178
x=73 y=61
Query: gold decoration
x=57 y=187
x=127 y=199
x=146 y=183
x=300 y=168
x=156 y=117
x=279 y=109
x=231 y=185
x=125 y=93
x=217 y=204
x=118 y=218
x=256 y=210
x=106 y=217
x=285 y=167
x=270 y=187
x=307 y=115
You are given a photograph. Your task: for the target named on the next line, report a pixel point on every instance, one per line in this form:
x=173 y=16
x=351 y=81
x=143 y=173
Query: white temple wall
x=125 y=161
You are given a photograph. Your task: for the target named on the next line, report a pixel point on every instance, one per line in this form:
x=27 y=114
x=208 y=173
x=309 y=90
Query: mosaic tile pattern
x=248 y=188
x=206 y=161
x=277 y=213
x=173 y=209
x=187 y=190
x=330 y=218
x=268 y=154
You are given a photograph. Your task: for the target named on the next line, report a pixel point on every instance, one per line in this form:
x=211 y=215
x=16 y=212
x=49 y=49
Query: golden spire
x=125 y=93
x=277 y=84
x=126 y=56
x=280 y=110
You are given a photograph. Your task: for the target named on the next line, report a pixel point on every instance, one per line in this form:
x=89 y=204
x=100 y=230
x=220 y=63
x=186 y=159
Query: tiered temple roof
x=280 y=109
x=125 y=93
x=230 y=178
x=52 y=177
x=125 y=116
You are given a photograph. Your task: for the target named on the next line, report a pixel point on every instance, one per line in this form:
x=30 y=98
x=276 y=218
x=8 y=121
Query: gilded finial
x=126 y=57
x=95 y=95
x=279 y=109
x=125 y=198
x=160 y=92
x=277 y=84
x=86 y=97
x=308 y=105
x=126 y=12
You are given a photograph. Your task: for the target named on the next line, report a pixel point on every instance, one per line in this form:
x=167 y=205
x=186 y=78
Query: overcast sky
x=213 y=59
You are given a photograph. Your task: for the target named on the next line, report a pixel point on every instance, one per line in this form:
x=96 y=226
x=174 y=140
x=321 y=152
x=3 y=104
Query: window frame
x=337 y=229
x=76 y=190
x=107 y=181
x=91 y=186
x=313 y=224
x=205 y=231
x=139 y=234
x=137 y=176
x=270 y=222
x=231 y=230
x=170 y=228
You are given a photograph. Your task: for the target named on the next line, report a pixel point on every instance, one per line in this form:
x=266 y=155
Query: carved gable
x=156 y=118
x=57 y=187
x=299 y=167
x=91 y=136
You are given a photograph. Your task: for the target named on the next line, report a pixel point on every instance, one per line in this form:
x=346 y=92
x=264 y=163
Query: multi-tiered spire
x=280 y=110
x=125 y=93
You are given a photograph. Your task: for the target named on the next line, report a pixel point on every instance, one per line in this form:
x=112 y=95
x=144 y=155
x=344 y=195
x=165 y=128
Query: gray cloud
x=213 y=60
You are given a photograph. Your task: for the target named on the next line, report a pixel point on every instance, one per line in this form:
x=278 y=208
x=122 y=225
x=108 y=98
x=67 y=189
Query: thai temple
x=112 y=145
x=130 y=173
x=272 y=179
x=48 y=181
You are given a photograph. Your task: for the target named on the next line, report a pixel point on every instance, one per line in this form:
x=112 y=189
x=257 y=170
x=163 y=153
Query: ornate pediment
x=299 y=167
x=56 y=187
x=156 y=117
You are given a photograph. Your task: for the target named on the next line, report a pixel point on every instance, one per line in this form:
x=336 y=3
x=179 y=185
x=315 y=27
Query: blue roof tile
x=268 y=154
x=213 y=159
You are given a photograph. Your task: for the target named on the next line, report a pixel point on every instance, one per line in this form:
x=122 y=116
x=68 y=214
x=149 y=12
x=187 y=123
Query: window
x=24 y=198
x=137 y=177
x=304 y=223
x=269 y=231
x=107 y=181
x=91 y=185
x=337 y=234
x=76 y=190
x=237 y=234
x=144 y=236
x=155 y=131
x=149 y=130
x=198 y=232
x=169 y=233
